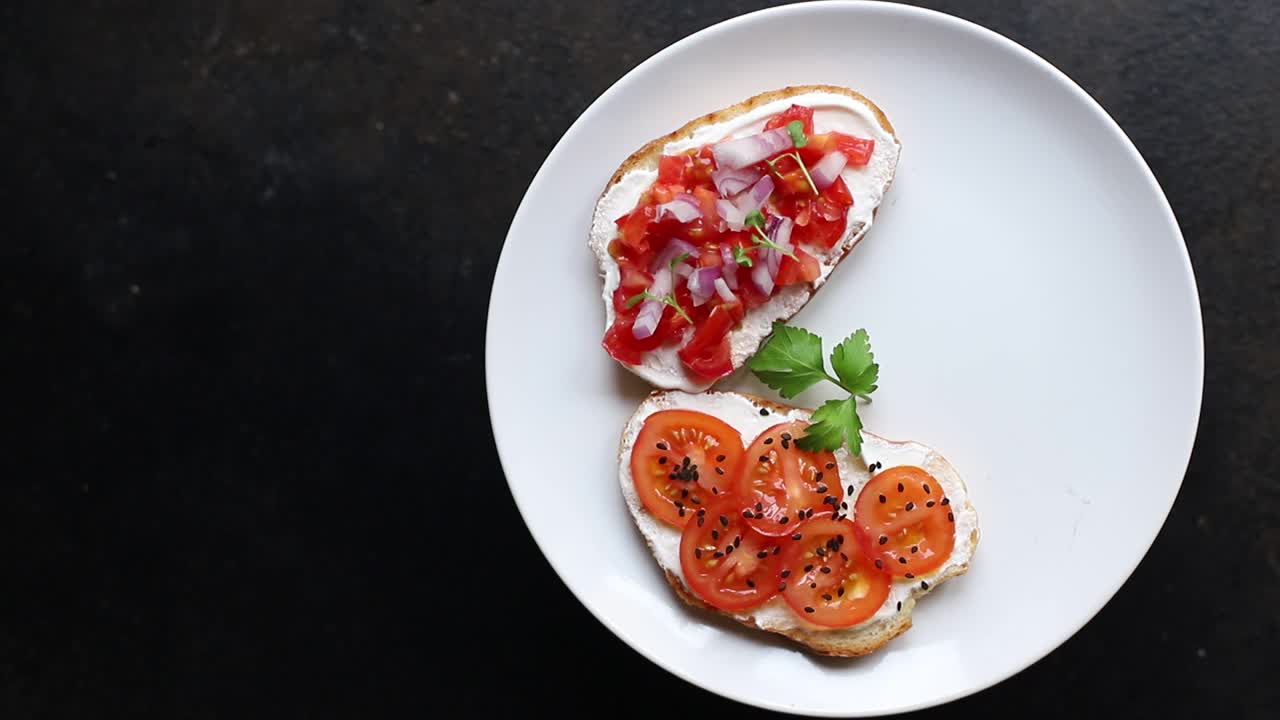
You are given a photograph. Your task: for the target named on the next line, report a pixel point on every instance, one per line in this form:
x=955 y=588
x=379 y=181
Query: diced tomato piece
x=632 y=280
x=803 y=268
x=817 y=148
x=709 y=256
x=820 y=232
x=858 y=150
x=838 y=193
x=622 y=345
x=795 y=112
x=707 y=201
x=673 y=169
x=707 y=353
x=632 y=228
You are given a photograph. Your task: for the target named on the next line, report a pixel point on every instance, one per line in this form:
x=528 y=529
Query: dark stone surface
x=245 y=260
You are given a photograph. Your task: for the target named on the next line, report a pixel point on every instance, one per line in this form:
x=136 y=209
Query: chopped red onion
x=651 y=310
x=730 y=182
x=773 y=259
x=828 y=169
x=702 y=284
x=730 y=268
x=756 y=199
x=780 y=232
x=761 y=277
x=733 y=217
x=739 y=153
x=683 y=207
x=675 y=247
x=722 y=289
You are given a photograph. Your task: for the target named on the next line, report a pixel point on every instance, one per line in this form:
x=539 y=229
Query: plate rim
x=927 y=15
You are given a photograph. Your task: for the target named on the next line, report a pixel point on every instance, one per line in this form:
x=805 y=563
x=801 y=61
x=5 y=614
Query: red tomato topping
x=803 y=269
x=725 y=563
x=778 y=481
x=707 y=352
x=904 y=521
x=829 y=581
x=795 y=112
x=682 y=461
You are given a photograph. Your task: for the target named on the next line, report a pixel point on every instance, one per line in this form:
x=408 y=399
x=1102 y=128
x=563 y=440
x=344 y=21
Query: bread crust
x=647 y=157
x=846 y=642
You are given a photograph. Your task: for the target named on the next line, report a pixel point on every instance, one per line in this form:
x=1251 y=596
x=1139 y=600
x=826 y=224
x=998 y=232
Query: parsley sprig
x=791 y=362
x=808 y=178
x=669 y=299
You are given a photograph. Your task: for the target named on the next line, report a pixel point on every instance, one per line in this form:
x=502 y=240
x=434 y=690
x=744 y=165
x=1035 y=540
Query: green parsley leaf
x=790 y=361
x=755 y=218
x=741 y=257
x=835 y=421
x=855 y=364
x=796 y=129
x=677 y=260
x=668 y=300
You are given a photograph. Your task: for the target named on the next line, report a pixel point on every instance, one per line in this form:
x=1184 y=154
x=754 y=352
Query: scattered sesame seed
x=695 y=500
x=915 y=548
x=831 y=466
x=813 y=586
x=926 y=488
x=764 y=458
x=751 y=583
x=662 y=446
x=840 y=591
x=808 y=609
x=719 y=470
x=786 y=573
x=786 y=444
x=759 y=507
x=786 y=436
x=884 y=539
x=748 y=514
x=883 y=499
x=879 y=564
x=729 y=549
x=681 y=511
x=768 y=441
x=719 y=458
x=797 y=536
x=924 y=584
x=930 y=504
x=850 y=489
x=724 y=521
x=826 y=596
x=910 y=576
x=777 y=549
x=900 y=487
x=684 y=493
x=826 y=570
x=844 y=506
x=807 y=568
x=911 y=506
x=783 y=520
x=737 y=540
x=715 y=534
x=699 y=522
x=902 y=560
x=951 y=517
x=844 y=557
x=820 y=552
x=946 y=501
x=697 y=552
x=715 y=490
x=782 y=586
x=662 y=460
x=822 y=488
x=718 y=554
x=764 y=411
x=899 y=606
x=762 y=554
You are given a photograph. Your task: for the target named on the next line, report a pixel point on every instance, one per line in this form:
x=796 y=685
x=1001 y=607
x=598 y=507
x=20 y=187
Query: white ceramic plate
x=1029 y=299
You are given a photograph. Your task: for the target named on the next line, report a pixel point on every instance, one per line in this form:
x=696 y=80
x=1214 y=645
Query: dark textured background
x=245 y=261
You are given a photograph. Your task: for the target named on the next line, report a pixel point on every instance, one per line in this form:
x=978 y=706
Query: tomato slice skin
x=725 y=563
x=829 y=580
x=683 y=460
x=778 y=481
x=905 y=522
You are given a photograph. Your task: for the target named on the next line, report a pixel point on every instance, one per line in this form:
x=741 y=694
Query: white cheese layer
x=867 y=184
x=744 y=416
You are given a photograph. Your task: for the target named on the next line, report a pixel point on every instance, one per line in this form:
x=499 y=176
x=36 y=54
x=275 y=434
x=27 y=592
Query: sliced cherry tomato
x=803 y=268
x=673 y=169
x=778 y=481
x=682 y=461
x=829 y=581
x=857 y=150
x=904 y=522
x=795 y=112
x=726 y=563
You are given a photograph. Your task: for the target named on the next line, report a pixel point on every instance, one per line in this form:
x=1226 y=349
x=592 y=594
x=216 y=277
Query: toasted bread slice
x=836 y=108
x=742 y=411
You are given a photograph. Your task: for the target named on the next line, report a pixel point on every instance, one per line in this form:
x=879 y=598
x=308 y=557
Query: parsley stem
x=844 y=387
x=761 y=239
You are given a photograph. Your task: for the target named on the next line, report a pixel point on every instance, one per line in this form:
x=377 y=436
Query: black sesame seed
x=879 y=564
x=839 y=539
x=951 y=517
x=818 y=476
x=748 y=514
x=680 y=504
x=926 y=488
x=826 y=570
x=681 y=511
x=697 y=552
x=764 y=411
x=724 y=521
x=930 y=504
x=813 y=586
x=900 y=487
x=924 y=584
x=715 y=534
x=728 y=549
x=737 y=540
x=840 y=591
x=673 y=476
x=946 y=501
x=884 y=539
x=662 y=460
x=751 y=583
x=786 y=573
x=822 y=488
x=777 y=549
x=820 y=552
x=695 y=500
x=783 y=520
x=759 y=507
x=829 y=500
x=826 y=596
x=910 y=576
x=911 y=506
x=808 y=609
x=807 y=568
x=782 y=586
x=684 y=493
x=715 y=490
x=768 y=441
x=719 y=470
x=844 y=557
x=899 y=605
x=764 y=458
x=902 y=560
x=786 y=436
x=700 y=522
x=850 y=490
x=719 y=458
x=883 y=499
x=762 y=554
x=662 y=446
x=718 y=554
x=844 y=506
x=831 y=466
x=797 y=536
x=685 y=461
x=915 y=548
x=786 y=444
